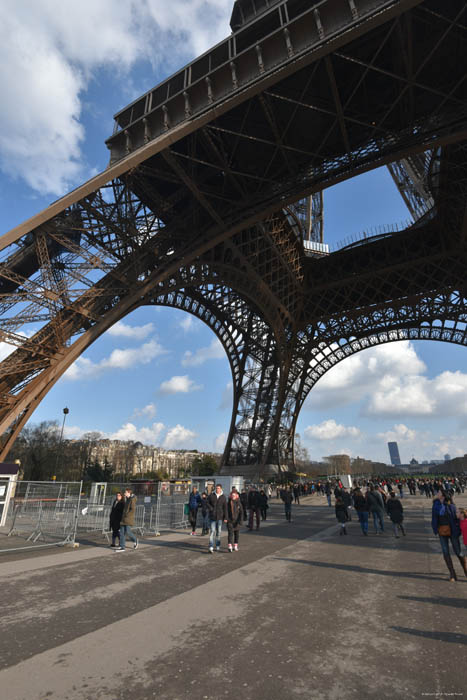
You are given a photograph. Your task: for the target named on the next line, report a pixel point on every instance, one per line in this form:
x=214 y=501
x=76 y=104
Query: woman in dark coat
x=234 y=520
x=396 y=513
x=116 y=513
x=341 y=515
x=263 y=504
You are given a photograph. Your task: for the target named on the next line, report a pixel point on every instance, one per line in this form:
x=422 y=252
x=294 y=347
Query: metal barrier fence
x=42 y=514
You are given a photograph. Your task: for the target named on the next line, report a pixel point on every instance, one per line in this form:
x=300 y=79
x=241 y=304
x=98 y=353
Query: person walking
x=194 y=503
x=296 y=494
x=376 y=505
x=445 y=524
x=361 y=507
x=244 y=502
x=116 y=513
x=253 y=507
x=346 y=497
x=395 y=511
x=234 y=520
x=327 y=491
x=263 y=504
x=287 y=497
x=128 y=521
x=205 y=513
x=217 y=505
x=341 y=514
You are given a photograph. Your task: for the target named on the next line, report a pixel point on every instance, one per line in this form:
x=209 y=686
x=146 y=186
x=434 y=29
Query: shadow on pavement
x=451 y=637
x=365 y=570
x=438 y=600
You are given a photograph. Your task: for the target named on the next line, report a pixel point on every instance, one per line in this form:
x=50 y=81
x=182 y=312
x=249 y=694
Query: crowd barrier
x=46 y=514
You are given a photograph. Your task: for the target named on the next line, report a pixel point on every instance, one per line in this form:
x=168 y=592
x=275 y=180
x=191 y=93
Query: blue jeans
x=328 y=496
x=124 y=531
x=215 y=533
x=445 y=545
x=363 y=519
x=378 y=518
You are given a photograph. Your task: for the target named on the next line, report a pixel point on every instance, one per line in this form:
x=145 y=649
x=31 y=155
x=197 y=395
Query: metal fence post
x=158 y=509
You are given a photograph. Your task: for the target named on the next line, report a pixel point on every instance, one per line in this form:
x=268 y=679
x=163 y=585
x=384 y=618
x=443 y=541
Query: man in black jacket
x=217 y=505
x=253 y=507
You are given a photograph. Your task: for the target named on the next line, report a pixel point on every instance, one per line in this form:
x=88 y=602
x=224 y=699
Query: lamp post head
x=66 y=411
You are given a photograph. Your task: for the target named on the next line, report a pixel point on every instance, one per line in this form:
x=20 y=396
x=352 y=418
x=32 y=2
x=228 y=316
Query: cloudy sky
x=161 y=376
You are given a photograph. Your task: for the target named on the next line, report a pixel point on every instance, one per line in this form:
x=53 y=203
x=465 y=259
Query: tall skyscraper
x=394 y=454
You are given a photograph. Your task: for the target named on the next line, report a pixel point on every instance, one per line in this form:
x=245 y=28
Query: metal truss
x=216 y=180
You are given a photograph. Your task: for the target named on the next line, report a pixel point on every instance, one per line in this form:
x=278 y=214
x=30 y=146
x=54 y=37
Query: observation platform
x=298 y=612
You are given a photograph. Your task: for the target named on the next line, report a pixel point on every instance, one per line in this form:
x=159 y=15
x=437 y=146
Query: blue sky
x=160 y=376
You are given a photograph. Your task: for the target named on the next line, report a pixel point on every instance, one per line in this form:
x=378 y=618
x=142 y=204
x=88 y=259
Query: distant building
x=394 y=454
x=447 y=458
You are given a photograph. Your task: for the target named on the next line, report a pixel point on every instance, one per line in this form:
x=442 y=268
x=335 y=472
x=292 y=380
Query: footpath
x=298 y=612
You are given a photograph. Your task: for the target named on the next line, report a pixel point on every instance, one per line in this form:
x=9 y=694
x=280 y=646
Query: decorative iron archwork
x=214 y=184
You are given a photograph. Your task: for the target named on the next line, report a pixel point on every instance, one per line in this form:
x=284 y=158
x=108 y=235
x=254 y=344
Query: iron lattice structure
x=213 y=185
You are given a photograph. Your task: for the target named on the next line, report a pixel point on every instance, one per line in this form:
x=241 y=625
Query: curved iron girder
x=252 y=352
x=442 y=317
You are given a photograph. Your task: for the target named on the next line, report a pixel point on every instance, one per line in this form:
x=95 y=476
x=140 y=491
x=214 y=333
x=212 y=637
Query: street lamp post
x=66 y=411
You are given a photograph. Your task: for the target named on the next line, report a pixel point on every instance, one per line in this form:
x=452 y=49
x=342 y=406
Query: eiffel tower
x=212 y=203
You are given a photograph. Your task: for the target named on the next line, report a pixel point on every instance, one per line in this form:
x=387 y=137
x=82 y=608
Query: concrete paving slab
x=298 y=612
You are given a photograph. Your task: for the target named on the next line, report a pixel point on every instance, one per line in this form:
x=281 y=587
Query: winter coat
x=129 y=511
x=217 y=506
x=204 y=505
x=194 y=501
x=116 y=514
x=442 y=514
x=346 y=498
x=360 y=502
x=235 y=513
x=253 y=500
x=341 y=512
x=395 y=510
x=287 y=497
x=375 y=501
x=263 y=500
x=463 y=527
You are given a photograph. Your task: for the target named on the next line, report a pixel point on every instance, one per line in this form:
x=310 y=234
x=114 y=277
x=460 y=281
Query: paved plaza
x=298 y=612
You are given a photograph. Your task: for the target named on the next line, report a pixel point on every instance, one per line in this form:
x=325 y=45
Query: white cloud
x=133 y=332
x=49 y=53
x=179 y=437
x=179 y=385
x=148 y=436
x=188 y=324
x=219 y=442
x=148 y=411
x=390 y=380
x=399 y=433
x=330 y=430
x=214 y=351
x=83 y=368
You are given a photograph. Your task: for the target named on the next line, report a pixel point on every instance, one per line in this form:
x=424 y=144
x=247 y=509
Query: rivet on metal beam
x=188 y=111
x=209 y=86
x=353 y=9
x=147 y=130
x=166 y=117
x=259 y=53
x=233 y=68
x=318 y=23
x=288 y=42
